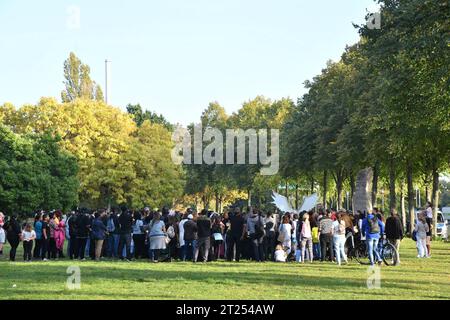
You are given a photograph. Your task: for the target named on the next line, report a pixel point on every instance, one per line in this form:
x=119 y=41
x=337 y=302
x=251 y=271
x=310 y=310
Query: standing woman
x=285 y=233
x=306 y=238
x=217 y=230
x=157 y=236
x=2 y=233
x=421 y=234
x=38 y=240
x=99 y=232
x=28 y=236
x=53 y=223
x=13 y=233
x=270 y=238
x=339 y=238
x=60 y=234
x=138 y=235
x=172 y=233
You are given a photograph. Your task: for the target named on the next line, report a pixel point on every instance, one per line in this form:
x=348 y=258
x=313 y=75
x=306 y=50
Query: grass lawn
x=414 y=279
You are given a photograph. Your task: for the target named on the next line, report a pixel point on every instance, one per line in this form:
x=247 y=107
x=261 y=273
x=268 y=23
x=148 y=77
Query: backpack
x=374 y=228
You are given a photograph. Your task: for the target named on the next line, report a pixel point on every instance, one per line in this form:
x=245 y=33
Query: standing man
x=237 y=232
x=326 y=236
x=126 y=223
x=394 y=233
x=204 y=236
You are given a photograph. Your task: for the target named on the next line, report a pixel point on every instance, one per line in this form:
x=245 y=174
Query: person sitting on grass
x=280 y=254
x=28 y=236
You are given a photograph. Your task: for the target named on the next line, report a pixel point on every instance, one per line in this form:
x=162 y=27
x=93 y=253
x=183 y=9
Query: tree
x=78 y=82
x=36 y=174
x=139 y=116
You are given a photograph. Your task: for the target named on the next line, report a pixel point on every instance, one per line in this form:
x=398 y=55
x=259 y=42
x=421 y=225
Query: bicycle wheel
x=389 y=254
x=361 y=254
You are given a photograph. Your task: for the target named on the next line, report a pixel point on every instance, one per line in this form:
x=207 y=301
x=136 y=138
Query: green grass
x=414 y=279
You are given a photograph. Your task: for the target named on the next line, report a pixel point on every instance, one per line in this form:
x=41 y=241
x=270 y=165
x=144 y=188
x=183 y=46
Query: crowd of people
x=167 y=235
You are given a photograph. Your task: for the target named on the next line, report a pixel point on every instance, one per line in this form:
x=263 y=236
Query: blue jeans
x=372 y=246
x=316 y=250
x=113 y=245
x=189 y=247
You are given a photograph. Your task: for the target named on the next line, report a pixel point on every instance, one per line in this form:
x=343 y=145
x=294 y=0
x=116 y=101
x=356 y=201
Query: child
x=315 y=241
x=28 y=236
x=280 y=254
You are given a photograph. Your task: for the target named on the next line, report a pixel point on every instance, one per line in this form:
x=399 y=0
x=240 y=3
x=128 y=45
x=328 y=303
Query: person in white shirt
x=306 y=238
x=285 y=234
x=181 y=236
x=280 y=254
x=338 y=231
x=28 y=236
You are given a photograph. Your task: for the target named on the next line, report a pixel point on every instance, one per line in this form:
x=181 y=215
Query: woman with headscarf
x=157 y=236
x=59 y=234
x=13 y=233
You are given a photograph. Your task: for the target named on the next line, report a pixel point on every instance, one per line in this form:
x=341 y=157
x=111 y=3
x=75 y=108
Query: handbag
x=414 y=235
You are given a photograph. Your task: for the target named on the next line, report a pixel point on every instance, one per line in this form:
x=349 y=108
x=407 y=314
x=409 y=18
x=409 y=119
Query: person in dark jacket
x=72 y=225
x=83 y=226
x=126 y=226
x=394 y=232
x=13 y=232
x=190 y=238
x=204 y=236
x=99 y=233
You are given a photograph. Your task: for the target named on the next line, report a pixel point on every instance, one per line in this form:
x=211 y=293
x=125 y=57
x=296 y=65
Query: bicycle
x=387 y=252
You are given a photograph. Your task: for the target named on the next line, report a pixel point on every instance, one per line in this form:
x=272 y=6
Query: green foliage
x=139 y=116
x=78 y=82
x=36 y=174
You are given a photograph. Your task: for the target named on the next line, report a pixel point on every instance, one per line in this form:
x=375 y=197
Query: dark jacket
x=204 y=227
x=190 y=230
x=126 y=223
x=393 y=228
x=99 y=229
x=13 y=230
x=83 y=226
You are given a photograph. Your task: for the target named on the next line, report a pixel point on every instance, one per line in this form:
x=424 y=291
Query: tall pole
x=106 y=81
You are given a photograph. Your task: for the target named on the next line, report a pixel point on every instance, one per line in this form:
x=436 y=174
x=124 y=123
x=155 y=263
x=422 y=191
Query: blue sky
x=174 y=56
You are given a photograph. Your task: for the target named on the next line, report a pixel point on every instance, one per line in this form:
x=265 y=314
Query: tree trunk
x=217 y=201
x=296 y=196
x=249 y=193
x=392 y=177
x=352 y=190
x=312 y=185
x=339 y=179
x=411 y=209
x=361 y=197
x=402 y=199
x=435 y=198
x=375 y=184
x=324 y=195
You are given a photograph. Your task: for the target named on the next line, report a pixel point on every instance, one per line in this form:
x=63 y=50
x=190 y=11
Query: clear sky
x=174 y=56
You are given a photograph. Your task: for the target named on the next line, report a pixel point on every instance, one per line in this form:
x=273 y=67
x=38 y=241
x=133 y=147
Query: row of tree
x=385 y=105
